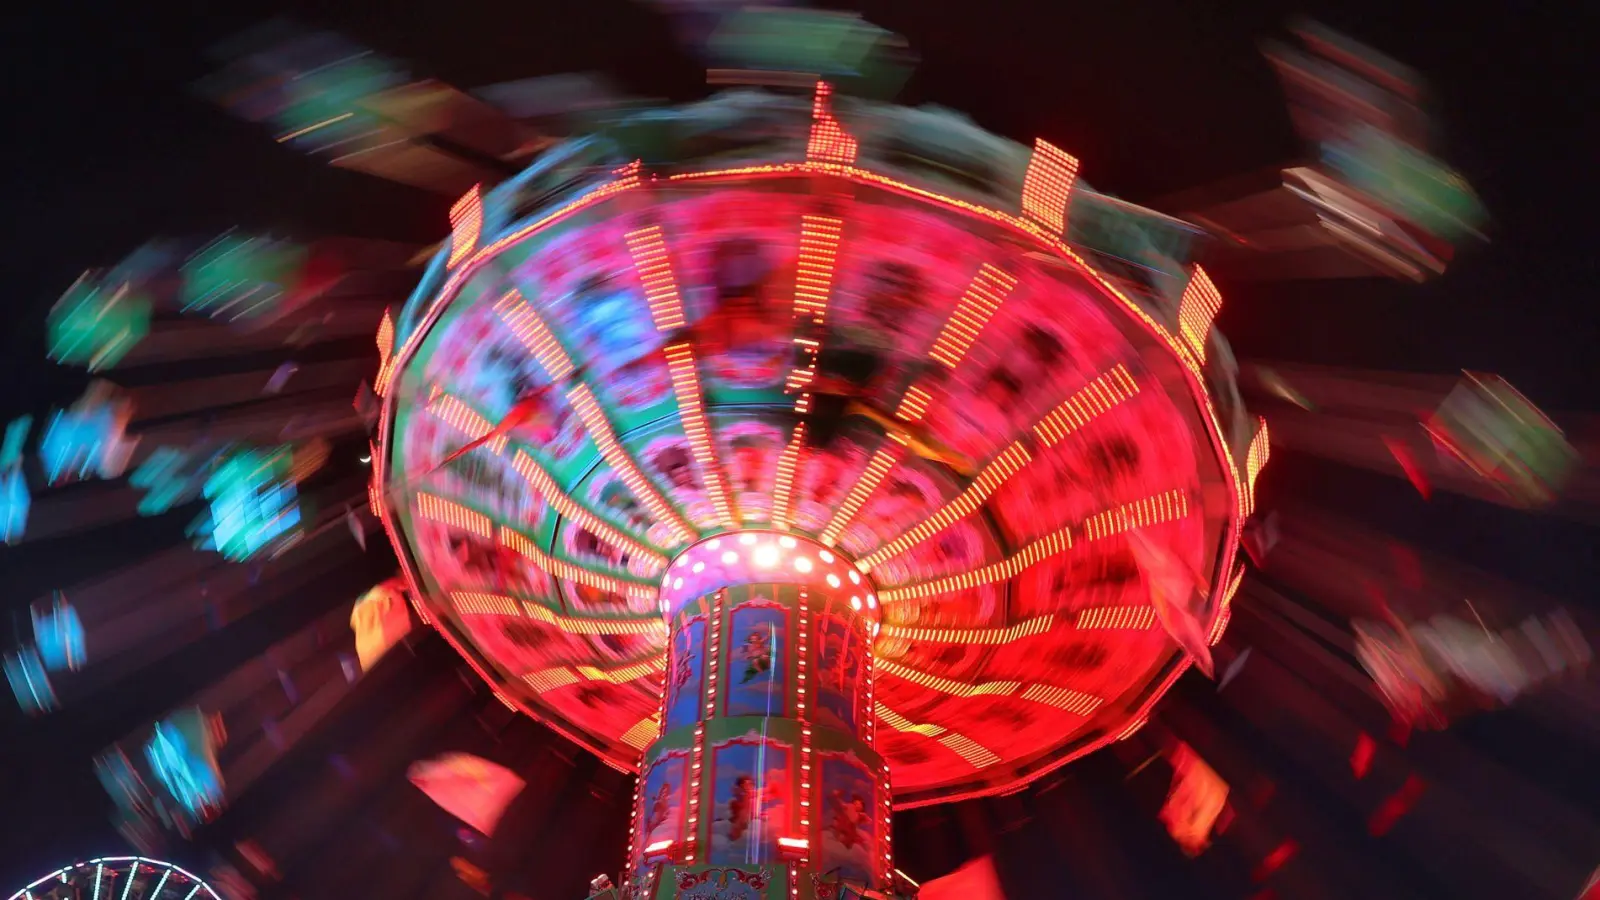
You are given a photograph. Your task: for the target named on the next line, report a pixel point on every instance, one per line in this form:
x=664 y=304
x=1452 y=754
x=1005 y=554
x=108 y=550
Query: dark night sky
x=108 y=149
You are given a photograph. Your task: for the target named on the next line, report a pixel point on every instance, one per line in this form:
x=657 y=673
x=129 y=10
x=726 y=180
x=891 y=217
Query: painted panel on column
x=751 y=799
x=840 y=661
x=686 y=673
x=758 y=668
x=849 y=822
x=664 y=798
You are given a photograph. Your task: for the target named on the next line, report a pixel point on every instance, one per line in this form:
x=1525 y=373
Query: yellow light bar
x=783 y=486
x=1116 y=618
x=1051 y=544
x=1254 y=461
x=913 y=406
x=478 y=603
x=530 y=328
x=466 y=224
x=560 y=568
x=1197 y=308
x=1023 y=629
x=1091 y=401
x=947 y=685
x=594 y=421
x=1047 y=186
x=438 y=509
x=465 y=419
x=559 y=501
x=877 y=467
x=819 y=249
x=641 y=734
x=650 y=260
x=1163 y=507
x=1063 y=698
x=1002 y=467
x=982 y=298
x=691 y=411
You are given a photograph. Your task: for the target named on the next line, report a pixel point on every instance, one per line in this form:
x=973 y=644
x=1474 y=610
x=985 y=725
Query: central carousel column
x=763 y=781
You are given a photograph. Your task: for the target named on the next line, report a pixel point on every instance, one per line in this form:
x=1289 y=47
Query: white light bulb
x=714 y=543
x=872 y=600
x=786 y=543
x=833 y=580
x=747 y=539
x=729 y=558
x=766 y=556
x=802 y=563
x=676 y=584
x=826 y=556
x=855 y=603
x=698 y=568
x=855 y=578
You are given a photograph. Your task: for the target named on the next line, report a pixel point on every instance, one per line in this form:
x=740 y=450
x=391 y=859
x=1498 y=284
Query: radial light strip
x=691 y=411
x=446 y=512
x=1047 y=186
x=380 y=382
x=1116 y=618
x=1003 y=466
x=1254 y=461
x=1091 y=401
x=642 y=733
x=819 y=251
x=1050 y=545
x=530 y=328
x=1063 y=698
x=650 y=260
x=1199 y=305
x=877 y=467
x=971 y=751
x=466 y=224
x=594 y=421
x=990 y=636
x=783 y=484
x=829 y=142
x=913 y=406
x=463 y=418
x=983 y=297
x=561 y=676
x=948 y=685
x=478 y=603
x=1163 y=507
x=560 y=568
x=546 y=487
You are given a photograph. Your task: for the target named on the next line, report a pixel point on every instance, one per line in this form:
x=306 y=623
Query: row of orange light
x=479 y=603
x=1024 y=629
x=1197 y=308
x=976 y=307
x=650 y=261
x=828 y=142
x=466 y=224
x=546 y=487
x=996 y=473
x=913 y=405
x=599 y=428
x=1093 y=400
x=975 y=754
x=566 y=571
x=691 y=412
x=531 y=330
x=783 y=484
x=877 y=467
x=470 y=422
x=1254 y=461
x=801 y=705
x=1163 y=507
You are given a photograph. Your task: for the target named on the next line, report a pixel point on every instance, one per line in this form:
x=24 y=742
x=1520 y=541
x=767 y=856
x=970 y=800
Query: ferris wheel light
x=747 y=539
x=855 y=577
x=729 y=558
x=786 y=542
x=766 y=556
x=825 y=555
x=698 y=568
x=833 y=580
x=802 y=564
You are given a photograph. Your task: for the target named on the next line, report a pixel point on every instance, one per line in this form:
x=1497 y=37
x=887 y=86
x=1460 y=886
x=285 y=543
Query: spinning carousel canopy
x=1028 y=412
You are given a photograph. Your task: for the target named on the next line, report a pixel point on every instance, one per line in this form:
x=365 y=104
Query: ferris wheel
x=118 y=878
